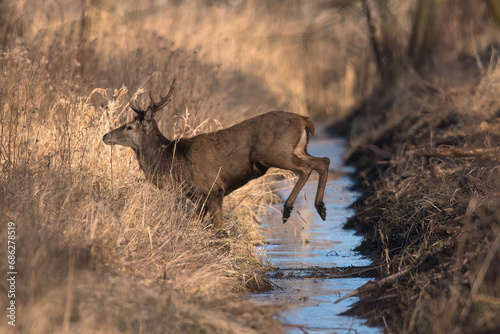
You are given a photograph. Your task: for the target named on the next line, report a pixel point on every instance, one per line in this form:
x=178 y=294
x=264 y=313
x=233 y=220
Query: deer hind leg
x=321 y=165
x=304 y=170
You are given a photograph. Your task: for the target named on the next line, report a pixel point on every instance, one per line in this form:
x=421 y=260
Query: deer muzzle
x=107 y=139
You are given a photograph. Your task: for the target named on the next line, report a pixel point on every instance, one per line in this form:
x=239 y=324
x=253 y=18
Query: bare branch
x=457 y=152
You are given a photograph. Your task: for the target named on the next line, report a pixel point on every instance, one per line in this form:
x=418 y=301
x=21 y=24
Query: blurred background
x=317 y=57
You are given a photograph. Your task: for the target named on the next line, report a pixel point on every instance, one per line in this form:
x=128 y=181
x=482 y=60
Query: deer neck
x=154 y=159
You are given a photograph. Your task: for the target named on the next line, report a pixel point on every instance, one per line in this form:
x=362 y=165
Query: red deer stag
x=214 y=164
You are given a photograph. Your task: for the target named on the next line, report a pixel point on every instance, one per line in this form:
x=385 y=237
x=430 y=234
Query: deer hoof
x=221 y=234
x=320 y=207
x=286 y=212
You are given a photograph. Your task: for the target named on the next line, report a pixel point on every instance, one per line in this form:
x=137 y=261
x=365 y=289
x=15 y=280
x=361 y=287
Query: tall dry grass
x=310 y=58
x=99 y=250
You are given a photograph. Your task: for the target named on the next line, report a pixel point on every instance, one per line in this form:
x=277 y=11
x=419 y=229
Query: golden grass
x=98 y=249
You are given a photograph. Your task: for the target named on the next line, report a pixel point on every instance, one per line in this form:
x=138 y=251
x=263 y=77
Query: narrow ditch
x=314 y=259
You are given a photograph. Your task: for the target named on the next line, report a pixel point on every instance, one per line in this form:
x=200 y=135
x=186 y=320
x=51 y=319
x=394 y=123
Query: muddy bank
x=426 y=159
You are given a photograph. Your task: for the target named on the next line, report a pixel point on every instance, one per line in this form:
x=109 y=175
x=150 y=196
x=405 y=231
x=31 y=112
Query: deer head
x=135 y=133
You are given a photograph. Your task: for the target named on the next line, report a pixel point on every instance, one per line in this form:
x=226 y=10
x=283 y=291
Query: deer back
x=229 y=158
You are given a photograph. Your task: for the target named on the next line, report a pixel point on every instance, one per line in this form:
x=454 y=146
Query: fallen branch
x=369 y=146
x=378 y=284
x=441 y=151
x=374 y=285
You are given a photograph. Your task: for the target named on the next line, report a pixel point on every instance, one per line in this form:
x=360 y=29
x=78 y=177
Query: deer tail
x=309 y=124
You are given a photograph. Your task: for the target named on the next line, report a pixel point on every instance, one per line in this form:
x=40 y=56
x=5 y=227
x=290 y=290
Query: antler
x=156 y=106
x=135 y=108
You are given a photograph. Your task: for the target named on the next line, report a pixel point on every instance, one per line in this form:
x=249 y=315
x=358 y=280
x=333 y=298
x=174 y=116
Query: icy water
x=306 y=244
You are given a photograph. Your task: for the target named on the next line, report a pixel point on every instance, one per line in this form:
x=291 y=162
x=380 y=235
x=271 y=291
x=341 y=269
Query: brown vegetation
x=427 y=148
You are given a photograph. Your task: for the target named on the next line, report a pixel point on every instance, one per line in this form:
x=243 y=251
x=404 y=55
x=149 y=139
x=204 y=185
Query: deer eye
x=129 y=127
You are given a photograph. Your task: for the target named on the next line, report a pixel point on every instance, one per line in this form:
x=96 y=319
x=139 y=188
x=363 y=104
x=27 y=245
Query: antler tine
x=135 y=108
x=156 y=106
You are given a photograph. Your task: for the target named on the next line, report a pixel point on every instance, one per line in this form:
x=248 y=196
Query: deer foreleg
x=213 y=206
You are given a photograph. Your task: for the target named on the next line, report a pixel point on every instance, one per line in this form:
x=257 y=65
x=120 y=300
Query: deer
x=212 y=165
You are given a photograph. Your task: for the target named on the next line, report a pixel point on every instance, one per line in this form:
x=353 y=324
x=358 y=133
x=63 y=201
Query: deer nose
x=105 y=139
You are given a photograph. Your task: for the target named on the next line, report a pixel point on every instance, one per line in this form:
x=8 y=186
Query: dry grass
x=99 y=250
